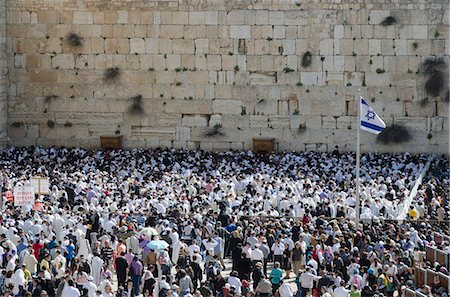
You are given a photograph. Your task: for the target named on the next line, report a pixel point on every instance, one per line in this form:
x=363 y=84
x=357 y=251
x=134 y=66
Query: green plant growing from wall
x=215 y=131
x=415 y=45
x=51 y=124
x=394 y=134
x=112 y=73
x=74 y=40
x=306 y=59
x=49 y=98
x=389 y=21
x=136 y=107
x=435 y=71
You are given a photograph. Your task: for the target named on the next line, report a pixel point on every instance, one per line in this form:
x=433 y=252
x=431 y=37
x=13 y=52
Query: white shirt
x=277 y=248
x=257 y=255
x=341 y=292
x=70 y=292
x=286 y=290
x=236 y=282
x=307 y=280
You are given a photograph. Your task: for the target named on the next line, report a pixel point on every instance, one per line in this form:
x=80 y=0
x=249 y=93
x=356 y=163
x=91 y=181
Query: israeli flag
x=369 y=120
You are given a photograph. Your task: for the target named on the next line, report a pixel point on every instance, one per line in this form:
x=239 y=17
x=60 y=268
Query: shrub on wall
x=112 y=73
x=388 y=21
x=435 y=71
x=394 y=134
x=74 y=39
x=306 y=59
x=136 y=107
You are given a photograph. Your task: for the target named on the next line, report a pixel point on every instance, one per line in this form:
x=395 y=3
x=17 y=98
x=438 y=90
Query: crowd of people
x=171 y=222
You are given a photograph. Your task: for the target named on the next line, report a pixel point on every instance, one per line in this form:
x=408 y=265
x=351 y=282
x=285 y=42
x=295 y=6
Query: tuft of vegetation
x=117 y=132
x=389 y=21
x=177 y=69
x=436 y=34
x=137 y=107
x=379 y=71
x=51 y=124
x=296 y=112
x=298 y=3
x=68 y=124
x=269 y=38
x=415 y=45
x=151 y=69
x=301 y=128
x=112 y=73
x=74 y=40
x=215 y=131
x=394 y=134
x=17 y=124
x=49 y=98
x=178 y=83
x=243 y=110
x=236 y=68
x=306 y=59
x=435 y=71
x=349 y=84
x=429 y=136
x=287 y=70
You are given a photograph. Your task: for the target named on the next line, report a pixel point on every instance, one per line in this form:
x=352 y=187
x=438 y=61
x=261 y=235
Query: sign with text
x=23 y=196
x=41 y=185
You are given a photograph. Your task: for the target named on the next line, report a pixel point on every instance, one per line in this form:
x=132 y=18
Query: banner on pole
x=23 y=196
x=41 y=185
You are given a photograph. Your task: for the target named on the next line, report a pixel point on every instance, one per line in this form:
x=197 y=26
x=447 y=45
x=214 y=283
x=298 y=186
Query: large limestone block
x=168 y=119
x=82 y=17
x=259 y=121
x=185 y=47
x=227 y=106
x=377 y=16
x=279 y=121
x=241 y=32
x=267 y=78
x=266 y=107
x=416 y=123
x=89 y=118
x=236 y=17
x=197 y=18
x=180 y=106
x=194 y=121
x=420 y=31
x=183 y=133
x=137 y=46
x=161 y=134
x=172 y=31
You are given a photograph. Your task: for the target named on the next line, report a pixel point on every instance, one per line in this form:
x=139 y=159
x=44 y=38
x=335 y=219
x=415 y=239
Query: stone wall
x=213 y=74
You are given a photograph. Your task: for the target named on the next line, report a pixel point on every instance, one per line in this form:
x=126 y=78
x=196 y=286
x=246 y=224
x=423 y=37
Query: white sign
x=23 y=196
x=41 y=185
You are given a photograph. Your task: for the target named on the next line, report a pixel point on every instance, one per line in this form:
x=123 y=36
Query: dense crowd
x=161 y=222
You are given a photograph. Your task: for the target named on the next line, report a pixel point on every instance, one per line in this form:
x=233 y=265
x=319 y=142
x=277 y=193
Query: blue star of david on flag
x=369 y=120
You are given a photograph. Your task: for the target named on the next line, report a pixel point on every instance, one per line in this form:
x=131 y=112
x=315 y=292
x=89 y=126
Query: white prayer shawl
x=97 y=265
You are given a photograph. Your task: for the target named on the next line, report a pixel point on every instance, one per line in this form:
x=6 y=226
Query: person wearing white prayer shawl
x=97 y=266
x=18 y=279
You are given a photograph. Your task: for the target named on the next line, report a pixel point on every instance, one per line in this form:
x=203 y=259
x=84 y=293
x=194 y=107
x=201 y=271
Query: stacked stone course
x=236 y=65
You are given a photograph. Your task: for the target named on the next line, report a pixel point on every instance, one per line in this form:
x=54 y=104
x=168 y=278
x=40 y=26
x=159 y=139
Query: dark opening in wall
x=242 y=48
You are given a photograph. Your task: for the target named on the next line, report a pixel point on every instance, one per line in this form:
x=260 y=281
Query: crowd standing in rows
x=161 y=222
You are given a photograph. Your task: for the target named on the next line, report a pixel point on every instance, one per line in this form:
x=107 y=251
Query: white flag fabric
x=369 y=120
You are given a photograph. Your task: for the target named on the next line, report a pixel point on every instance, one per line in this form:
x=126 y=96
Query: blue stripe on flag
x=364 y=101
x=371 y=126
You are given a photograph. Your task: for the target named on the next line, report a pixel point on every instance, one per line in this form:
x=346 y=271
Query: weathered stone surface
x=233 y=64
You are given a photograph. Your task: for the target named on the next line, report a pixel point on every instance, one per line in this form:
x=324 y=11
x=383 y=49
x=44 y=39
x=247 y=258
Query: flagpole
x=358 y=153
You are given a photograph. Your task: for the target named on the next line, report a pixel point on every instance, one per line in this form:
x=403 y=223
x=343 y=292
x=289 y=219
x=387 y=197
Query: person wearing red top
x=37 y=246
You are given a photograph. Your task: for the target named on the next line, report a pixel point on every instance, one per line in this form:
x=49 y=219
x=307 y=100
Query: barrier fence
x=434 y=255
x=429 y=277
